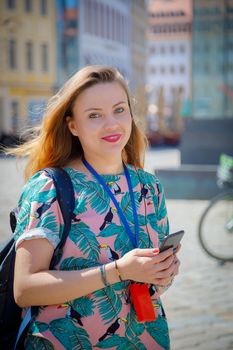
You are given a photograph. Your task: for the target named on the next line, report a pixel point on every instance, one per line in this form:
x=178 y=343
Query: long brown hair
x=53 y=145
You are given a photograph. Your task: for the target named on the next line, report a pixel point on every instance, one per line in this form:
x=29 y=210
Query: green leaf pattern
x=133 y=327
x=70 y=335
x=73 y=263
x=85 y=239
x=37 y=343
x=158 y=330
x=84 y=305
x=109 y=304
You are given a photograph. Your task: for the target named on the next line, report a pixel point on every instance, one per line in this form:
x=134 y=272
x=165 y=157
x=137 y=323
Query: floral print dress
x=104 y=319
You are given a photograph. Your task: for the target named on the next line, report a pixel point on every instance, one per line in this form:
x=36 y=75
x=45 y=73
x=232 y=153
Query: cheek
x=128 y=123
x=85 y=129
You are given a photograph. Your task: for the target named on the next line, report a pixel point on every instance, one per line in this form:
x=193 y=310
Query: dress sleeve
x=163 y=223
x=161 y=211
x=39 y=214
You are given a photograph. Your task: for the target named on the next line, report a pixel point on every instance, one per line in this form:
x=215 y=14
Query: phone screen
x=171 y=240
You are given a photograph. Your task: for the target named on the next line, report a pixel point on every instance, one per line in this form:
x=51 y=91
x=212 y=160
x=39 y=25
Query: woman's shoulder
x=37 y=183
x=145 y=176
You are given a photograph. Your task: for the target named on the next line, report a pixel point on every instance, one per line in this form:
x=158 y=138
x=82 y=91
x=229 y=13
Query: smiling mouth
x=112 y=138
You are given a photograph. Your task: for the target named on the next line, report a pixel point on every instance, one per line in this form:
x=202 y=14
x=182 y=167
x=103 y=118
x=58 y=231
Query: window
x=182 y=69
x=28 y=5
x=14 y=107
x=153 y=70
x=181 y=89
x=29 y=55
x=182 y=48
x=172 y=69
x=44 y=58
x=172 y=90
x=162 y=70
x=114 y=13
x=87 y=16
x=155 y=29
x=12 y=54
x=121 y=21
x=152 y=50
x=206 y=67
x=162 y=49
x=164 y=28
x=206 y=47
x=10 y=4
x=43 y=7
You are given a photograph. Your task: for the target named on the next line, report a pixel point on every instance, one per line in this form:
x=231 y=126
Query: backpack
x=10 y=312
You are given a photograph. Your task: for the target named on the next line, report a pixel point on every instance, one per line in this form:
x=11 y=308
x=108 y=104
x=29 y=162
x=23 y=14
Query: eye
x=94 y=115
x=119 y=110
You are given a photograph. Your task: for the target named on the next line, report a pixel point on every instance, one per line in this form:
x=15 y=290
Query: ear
x=71 y=126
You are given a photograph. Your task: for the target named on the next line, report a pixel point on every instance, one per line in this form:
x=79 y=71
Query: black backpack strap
x=66 y=200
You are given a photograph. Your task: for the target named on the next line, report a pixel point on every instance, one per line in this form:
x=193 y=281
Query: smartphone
x=171 y=240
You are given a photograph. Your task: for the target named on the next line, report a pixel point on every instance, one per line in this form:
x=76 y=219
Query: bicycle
x=215 y=231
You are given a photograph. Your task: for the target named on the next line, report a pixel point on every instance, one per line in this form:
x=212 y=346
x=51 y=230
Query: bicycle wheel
x=216 y=227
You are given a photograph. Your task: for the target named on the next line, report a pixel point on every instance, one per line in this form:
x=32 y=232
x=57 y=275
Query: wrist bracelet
x=118 y=272
x=103 y=276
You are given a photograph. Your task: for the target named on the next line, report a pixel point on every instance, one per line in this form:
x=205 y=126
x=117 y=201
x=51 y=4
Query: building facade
x=209 y=132
x=42 y=43
x=138 y=47
x=169 y=48
x=27 y=61
x=139 y=24
x=212 y=59
x=67 y=40
x=104 y=34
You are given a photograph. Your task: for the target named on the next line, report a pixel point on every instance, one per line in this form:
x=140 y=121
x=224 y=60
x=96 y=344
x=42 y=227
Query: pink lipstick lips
x=112 y=138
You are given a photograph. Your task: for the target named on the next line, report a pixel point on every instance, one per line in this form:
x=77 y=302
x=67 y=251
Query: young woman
x=86 y=302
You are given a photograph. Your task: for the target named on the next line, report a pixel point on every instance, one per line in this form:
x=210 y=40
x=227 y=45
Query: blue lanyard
x=133 y=238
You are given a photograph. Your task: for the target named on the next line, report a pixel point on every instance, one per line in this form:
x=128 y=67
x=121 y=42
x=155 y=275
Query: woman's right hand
x=148 y=266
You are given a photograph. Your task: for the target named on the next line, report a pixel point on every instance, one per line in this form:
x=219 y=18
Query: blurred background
x=177 y=56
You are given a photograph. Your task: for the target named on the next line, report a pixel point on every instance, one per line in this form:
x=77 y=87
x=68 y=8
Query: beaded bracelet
x=103 y=275
x=118 y=272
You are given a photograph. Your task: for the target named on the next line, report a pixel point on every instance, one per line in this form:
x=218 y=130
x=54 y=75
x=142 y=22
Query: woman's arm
x=35 y=284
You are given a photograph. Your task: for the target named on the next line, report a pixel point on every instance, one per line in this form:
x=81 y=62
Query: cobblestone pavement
x=199 y=305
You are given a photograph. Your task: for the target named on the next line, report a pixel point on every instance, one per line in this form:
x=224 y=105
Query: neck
x=105 y=166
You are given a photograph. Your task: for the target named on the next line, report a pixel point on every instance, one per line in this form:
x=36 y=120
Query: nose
x=111 y=121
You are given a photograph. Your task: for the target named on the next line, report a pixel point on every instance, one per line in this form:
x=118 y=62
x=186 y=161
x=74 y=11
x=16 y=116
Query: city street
x=199 y=305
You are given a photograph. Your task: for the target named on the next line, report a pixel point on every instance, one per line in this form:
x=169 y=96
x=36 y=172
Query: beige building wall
x=170 y=30
x=22 y=85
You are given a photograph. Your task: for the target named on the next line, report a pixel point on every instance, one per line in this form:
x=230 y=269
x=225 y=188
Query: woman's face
x=102 y=120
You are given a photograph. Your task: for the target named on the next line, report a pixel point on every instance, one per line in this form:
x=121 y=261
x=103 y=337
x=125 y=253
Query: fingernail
x=156 y=250
x=174 y=250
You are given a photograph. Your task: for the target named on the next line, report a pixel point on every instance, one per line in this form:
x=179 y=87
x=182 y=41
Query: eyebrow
x=99 y=109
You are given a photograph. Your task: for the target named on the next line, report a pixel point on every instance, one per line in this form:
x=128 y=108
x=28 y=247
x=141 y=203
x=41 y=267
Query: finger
x=164 y=255
x=147 y=252
x=162 y=282
x=162 y=268
x=164 y=264
x=177 y=261
x=169 y=272
x=177 y=268
x=178 y=248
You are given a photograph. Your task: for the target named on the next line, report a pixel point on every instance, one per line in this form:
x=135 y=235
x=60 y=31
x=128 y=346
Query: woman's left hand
x=166 y=282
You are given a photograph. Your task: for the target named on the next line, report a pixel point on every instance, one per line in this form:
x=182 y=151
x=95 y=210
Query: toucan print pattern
x=104 y=319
